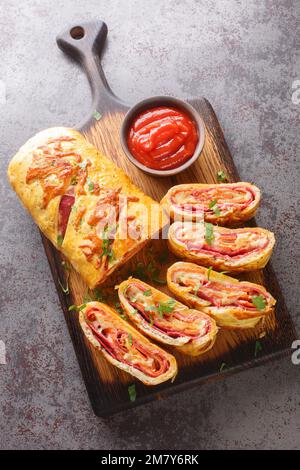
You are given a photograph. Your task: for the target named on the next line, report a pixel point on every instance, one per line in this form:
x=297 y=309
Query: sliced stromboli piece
x=162 y=318
x=84 y=204
x=124 y=347
x=234 y=250
x=232 y=303
x=224 y=204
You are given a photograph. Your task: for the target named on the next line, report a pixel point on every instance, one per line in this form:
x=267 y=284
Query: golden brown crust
x=58 y=160
x=233 y=203
x=234 y=297
x=190 y=339
x=110 y=323
x=252 y=258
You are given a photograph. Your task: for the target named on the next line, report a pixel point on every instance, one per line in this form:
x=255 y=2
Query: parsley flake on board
x=76 y=308
x=132 y=392
x=97 y=115
x=223 y=366
x=221 y=176
x=99 y=296
x=209 y=233
x=259 y=302
x=258 y=348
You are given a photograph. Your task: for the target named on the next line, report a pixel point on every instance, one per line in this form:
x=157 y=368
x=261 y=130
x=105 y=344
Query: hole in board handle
x=77 y=32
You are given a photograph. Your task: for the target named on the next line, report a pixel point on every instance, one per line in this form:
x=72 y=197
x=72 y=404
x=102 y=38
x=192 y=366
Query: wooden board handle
x=85 y=42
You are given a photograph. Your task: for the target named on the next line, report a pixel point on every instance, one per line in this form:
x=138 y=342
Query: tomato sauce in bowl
x=162 y=137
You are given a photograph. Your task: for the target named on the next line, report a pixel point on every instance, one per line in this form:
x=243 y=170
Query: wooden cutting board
x=107 y=386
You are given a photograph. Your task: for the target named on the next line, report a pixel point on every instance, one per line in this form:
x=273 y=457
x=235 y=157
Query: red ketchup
x=162 y=138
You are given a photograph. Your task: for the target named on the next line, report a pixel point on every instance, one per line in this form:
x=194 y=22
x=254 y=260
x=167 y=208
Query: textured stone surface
x=244 y=57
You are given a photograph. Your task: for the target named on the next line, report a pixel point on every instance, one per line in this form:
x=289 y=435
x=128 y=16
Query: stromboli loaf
x=229 y=301
x=226 y=203
x=124 y=347
x=77 y=197
x=234 y=250
x=162 y=318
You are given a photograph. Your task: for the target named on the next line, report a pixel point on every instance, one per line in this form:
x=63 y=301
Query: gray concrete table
x=244 y=57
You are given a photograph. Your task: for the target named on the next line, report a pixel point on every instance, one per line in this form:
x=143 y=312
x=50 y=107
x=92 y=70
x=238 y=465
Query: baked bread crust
x=162 y=318
x=223 y=204
x=224 y=298
x=59 y=163
x=233 y=250
x=125 y=342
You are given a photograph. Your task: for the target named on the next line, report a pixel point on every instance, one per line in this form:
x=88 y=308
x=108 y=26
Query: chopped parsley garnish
x=223 y=366
x=133 y=299
x=60 y=240
x=140 y=271
x=259 y=302
x=162 y=307
x=224 y=272
x=76 y=308
x=151 y=308
x=65 y=289
x=165 y=307
x=209 y=233
x=151 y=323
x=118 y=307
x=258 y=348
x=149 y=272
x=132 y=392
x=130 y=339
x=106 y=246
x=91 y=185
x=97 y=115
x=99 y=296
x=159 y=281
x=213 y=205
x=209 y=272
x=147 y=292
x=221 y=176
